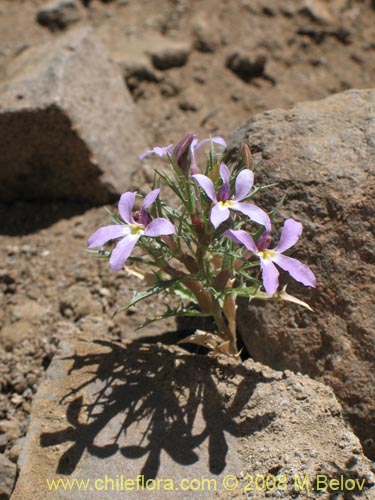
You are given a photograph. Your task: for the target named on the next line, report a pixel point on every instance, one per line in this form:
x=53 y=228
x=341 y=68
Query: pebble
x=11 y=428
x=173 y=55
x=3 y=442
x=206 y=39
x=59 y=14
x=8 y=472
x=244 y=66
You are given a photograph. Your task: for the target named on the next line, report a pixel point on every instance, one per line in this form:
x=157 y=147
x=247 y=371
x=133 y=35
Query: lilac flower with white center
x=220 y=210
x=136 y=227
x=187 y=147
x=290 y=234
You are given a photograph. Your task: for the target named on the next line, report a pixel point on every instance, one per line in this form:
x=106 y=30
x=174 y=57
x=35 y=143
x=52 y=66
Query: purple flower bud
x=264 y=241
x=247 y=157
x=181 y=150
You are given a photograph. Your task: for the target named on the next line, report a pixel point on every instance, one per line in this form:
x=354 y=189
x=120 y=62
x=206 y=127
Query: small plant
x=211 y=248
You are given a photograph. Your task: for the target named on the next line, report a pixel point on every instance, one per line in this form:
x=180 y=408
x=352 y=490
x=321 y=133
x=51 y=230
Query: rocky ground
x=202 y=66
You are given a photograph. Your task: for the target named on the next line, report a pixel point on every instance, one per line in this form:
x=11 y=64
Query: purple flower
x=220 y=210
x=136 y=227
x=188 y=147
x=290 y=234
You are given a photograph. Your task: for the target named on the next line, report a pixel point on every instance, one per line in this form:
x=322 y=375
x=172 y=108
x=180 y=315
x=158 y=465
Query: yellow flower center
x=137 y=229
x=266 y=254
x=225 y=204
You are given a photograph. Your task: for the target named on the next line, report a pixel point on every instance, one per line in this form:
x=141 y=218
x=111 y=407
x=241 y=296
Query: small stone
x=317 y=11
x=8 y=472
x=13 y=334
x=3 y=442
x=245 y=67
x=15 y=450
x=11 y=428
x=173 y=55
x=57 y=15
x=206 y=38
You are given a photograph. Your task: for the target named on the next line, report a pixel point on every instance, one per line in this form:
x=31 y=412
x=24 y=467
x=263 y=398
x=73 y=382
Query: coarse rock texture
x=110 y=409
x=321 y=155
x=67 y=124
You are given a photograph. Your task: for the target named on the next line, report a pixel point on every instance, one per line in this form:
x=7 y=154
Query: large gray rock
x=321 y=155
x=67 y=124
x=113 y=412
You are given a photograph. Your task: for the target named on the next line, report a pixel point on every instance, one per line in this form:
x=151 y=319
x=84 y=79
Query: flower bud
x=246 y=156
x=180 y=152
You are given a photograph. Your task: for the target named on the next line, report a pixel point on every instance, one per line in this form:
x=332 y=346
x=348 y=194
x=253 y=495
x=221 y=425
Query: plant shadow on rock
x=164 y=390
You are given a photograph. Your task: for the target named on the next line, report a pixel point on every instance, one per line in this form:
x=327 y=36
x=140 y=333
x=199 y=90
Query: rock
x=245 y=67
x=13 y=333
x=3 y=442
x=67 y=123
x=317 y=11
x=76 y=302
x=107 y=410
x=321 y=155
x=11 y=428
x=59 y=14
x=8 y=472
x=206 y=37
x=15 y=450
x=170 y=55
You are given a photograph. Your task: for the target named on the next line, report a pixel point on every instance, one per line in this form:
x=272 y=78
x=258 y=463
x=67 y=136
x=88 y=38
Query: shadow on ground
x=26 y=217
x=155 y=399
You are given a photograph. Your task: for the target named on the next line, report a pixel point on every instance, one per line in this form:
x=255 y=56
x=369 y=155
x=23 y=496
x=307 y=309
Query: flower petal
x=207 y=185
x=299 y=271
x=290 y=233
x=107 y=233
x=125 y=206
x=159 y=227
x=224 y=173
x=241 y=236
x=253 y=212
x=270 y=276
x=244 y=182
x=219 y=214
x=193 y=162
x=150 y=198
x=158 y=151
x=122 y=251
x=216 y=140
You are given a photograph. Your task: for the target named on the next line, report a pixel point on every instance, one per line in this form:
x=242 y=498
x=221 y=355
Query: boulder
x=67 y=124
x=321 y=155
x=124 y=417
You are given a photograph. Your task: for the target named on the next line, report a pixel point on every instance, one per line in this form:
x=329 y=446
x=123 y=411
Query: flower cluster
x=212 y=248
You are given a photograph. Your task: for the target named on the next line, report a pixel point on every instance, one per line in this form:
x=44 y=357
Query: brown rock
x=107 y=410
x=76 y=302
x=8 y=472
x=170 y=55
x=206 y=36
x=67 y=124
x=246 y=67
x=59 y=14
x=11 y=428
x=322 y=157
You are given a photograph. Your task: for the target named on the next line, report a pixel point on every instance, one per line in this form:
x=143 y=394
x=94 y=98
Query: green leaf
x=160 y=286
